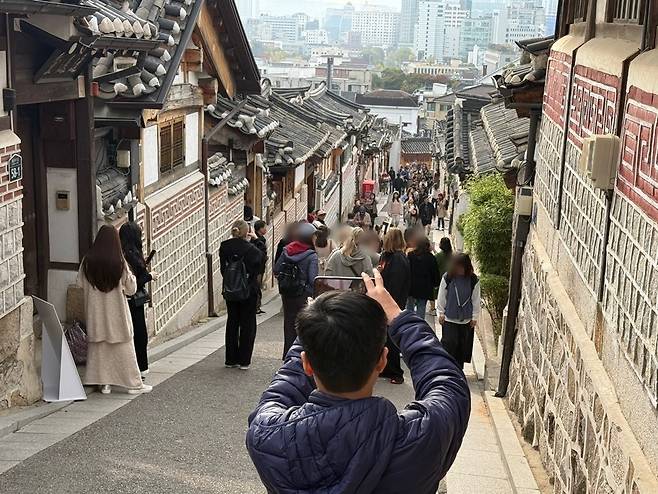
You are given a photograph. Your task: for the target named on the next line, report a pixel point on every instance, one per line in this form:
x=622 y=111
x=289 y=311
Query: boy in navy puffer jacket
x=318 y=429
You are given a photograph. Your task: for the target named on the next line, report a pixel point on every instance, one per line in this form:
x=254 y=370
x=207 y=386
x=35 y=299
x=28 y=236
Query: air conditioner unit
x=524 y=200
x=599 y=160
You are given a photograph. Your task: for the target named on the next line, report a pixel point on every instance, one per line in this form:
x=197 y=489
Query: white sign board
x=60 y=378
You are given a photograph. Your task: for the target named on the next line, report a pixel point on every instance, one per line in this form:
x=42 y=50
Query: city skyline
x=317 y=8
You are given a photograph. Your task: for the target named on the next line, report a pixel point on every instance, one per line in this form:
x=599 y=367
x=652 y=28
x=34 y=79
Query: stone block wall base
x=20 y=382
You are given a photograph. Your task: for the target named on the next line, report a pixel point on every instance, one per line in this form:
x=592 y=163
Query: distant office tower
x=408 y=20
x=430 y=29
x=518 y=20
x=338 y=22
x=248 y=9
x=282 y=28
x=377 y=26
x=475 y=31
x=456 y=11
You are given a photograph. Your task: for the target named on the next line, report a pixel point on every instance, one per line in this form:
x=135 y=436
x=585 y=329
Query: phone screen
x=324 y=284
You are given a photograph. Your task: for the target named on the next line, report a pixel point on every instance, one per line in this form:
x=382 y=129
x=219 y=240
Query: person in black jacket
x=131 y=242
x=394 y=268
x=241 y=320
x=259 y=240
x=424 y=276
x=427 y=213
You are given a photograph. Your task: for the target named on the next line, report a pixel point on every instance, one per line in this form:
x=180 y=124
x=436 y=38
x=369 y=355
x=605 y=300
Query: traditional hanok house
x=160 y=60
x=376 y=151
x=348 y=123
x=417 y=150
x=44 y=133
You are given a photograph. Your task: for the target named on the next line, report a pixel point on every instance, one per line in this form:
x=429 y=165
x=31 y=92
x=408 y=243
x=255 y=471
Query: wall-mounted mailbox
x=62 y=200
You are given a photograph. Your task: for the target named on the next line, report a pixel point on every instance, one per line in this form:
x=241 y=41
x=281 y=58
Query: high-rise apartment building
x=248 y=9
x=286 y=28
x=377 y=25
x=517 y=21
x=408 y=20
x=475 y=31
x=430 y=29
x=338 y=22
x=456 y=11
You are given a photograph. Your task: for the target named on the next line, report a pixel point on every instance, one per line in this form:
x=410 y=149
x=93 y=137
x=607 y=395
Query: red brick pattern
x=9 y=190
x=638 y=170
x=557 y=82
x=593 y=104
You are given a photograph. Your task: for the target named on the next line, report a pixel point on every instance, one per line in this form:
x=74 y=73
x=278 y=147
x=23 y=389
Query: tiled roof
x=506 y=132
x=137 y=73
x=417 y=145
x=481 y=154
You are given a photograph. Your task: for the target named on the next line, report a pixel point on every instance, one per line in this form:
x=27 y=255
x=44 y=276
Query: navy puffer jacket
x=304 y=441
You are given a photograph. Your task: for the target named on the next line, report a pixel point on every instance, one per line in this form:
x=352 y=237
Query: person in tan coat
x=106 y=280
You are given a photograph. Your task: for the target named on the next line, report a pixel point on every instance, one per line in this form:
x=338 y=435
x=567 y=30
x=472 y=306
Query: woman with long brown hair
x=107 y=280
x=394 y=268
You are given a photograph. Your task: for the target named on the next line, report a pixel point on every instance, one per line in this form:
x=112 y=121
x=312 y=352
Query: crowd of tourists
x=335 y=346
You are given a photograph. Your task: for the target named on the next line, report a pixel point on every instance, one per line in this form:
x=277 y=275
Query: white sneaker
x=106 y=389
x=231 y=366
x=144 y=373
x=146 y=388
x=244 y=367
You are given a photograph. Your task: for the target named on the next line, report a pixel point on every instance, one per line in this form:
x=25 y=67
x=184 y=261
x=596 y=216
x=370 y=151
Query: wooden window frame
x=171 y=156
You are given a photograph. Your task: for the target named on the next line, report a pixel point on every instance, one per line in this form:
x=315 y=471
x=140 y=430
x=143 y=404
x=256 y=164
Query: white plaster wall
x=397 y=114
x=300 y=175
x=58 y=284
x=191 y=138
x=150 y=154
x=63 y=225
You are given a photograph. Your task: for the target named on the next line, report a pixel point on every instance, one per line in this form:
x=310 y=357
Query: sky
x=316 y=8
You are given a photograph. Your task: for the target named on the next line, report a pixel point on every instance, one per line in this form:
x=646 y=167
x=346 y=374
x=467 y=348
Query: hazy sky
x=316 y=8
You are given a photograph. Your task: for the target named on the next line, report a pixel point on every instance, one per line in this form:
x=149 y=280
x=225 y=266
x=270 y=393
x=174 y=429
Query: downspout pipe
x=206 y=199
x=521 y=230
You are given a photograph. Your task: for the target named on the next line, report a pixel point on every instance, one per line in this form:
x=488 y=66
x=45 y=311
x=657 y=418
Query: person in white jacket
x=458 y=308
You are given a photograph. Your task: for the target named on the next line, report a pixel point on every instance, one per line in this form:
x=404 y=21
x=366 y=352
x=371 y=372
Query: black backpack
x=235 y=287
x=291 y=279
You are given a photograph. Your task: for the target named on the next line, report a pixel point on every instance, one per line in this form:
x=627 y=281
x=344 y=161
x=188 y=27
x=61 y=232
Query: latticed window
x=626 y=11
x=172 y=145
x=580 y=10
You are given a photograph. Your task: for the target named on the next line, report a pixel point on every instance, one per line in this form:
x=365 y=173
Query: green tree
x=487 y=230
x=374 y=55
x=398 y=57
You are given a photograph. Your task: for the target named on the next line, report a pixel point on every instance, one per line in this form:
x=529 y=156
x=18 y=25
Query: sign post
x=59 y=375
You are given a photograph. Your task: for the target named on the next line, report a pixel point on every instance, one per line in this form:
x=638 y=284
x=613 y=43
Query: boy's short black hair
x=259 y=224
x=343 y=334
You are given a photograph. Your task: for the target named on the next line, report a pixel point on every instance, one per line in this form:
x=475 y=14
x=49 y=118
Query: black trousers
x=240 y=331
x=140 y=335
x=291 y=307
x=457 y=339
x=393 y=367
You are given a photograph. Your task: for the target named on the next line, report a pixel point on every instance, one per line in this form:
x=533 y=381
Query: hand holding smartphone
x=324 y=284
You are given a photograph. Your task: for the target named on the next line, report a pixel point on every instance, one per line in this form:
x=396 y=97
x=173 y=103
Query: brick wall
x=19 y=378
x=177 y=232
x=11 y=234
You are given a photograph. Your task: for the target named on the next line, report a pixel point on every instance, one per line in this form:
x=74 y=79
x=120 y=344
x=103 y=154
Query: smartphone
x=324 y=284
x=150 y=257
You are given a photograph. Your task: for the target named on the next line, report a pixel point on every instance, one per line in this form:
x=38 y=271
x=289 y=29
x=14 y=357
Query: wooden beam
x=213 y=47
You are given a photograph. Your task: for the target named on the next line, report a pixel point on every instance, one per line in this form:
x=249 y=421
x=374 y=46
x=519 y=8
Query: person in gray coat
x=350 y=260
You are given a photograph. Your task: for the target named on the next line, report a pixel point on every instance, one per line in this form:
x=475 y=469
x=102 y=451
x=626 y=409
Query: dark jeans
x=291 y=307
x=393 y=367
x=140 y=336
x=259 y=293
x=240 y=331
x=441 y=224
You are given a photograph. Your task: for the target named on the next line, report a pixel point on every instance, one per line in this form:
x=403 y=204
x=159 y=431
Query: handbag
x=141 y=297
x=76 y=337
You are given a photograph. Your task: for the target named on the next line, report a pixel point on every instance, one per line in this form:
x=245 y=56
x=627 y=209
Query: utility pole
x=330 y=70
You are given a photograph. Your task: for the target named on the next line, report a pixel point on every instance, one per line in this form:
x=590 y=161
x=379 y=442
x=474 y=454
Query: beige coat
x=107 y=314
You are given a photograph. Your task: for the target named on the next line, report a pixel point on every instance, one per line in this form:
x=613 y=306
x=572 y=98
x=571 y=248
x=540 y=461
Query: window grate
x=628 y=11
x=580 y=10
x=172 y=145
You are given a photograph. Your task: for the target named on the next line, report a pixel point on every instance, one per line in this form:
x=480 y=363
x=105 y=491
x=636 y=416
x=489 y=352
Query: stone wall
x=19 y=373
x=562 y=394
